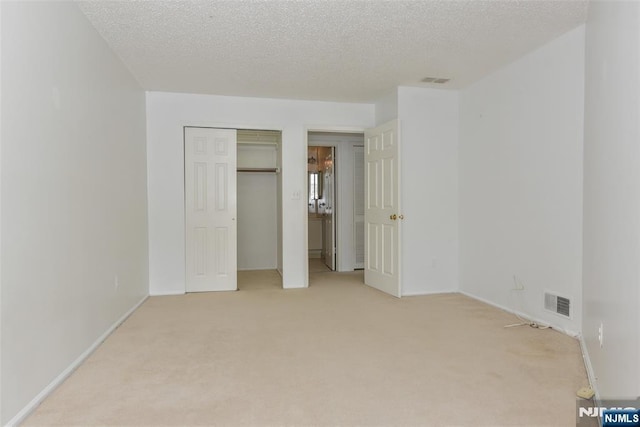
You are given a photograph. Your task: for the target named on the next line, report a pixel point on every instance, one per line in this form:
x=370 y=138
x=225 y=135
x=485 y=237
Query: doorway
x=335 y=186
x=322 y=230
x=259 y=198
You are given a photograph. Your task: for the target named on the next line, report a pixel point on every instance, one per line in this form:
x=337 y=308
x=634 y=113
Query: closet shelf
x=268 y=170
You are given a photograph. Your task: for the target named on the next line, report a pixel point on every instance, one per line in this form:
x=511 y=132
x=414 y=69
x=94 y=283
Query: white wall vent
x=557 y=304
x=438 y=80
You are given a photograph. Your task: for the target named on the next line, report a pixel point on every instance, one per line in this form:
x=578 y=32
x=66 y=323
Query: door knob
x=393 y=217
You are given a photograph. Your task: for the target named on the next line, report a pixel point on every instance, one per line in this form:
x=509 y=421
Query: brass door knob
x=393 y=217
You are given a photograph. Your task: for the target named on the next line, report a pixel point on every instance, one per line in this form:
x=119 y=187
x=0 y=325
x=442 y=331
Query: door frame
x=339 y=193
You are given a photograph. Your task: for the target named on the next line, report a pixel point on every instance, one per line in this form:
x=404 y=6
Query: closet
x=259 y=199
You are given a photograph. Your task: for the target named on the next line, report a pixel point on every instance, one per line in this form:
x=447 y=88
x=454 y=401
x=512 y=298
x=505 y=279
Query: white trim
x=1 y=412
x=335 y=129
x=420 y=293
x=166 y=293
x=305 y=220
x=590 y=372
x=236 y=126
x=315 y=253
x=31 y=406
x=558 y=328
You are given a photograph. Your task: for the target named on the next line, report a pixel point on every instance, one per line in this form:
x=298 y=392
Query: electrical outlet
x=116 y=282
x=600 y=334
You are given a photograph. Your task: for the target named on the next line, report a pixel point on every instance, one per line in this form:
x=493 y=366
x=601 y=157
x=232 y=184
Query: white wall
x=167 y=113
x=315 y=234
x=387 y=108
x=521 y=181
x=611 y=290
x=429 y=201
x=73 y=194
x=257 y=196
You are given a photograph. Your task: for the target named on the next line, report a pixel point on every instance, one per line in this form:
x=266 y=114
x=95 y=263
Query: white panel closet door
x=382 y=209
x=210 y=202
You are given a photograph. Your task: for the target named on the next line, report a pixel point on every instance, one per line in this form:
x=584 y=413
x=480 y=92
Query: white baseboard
x=31 y=406
x=164 y=294
x=528 y=317
x=590 y=372
x=419 y=293
x=315 y=253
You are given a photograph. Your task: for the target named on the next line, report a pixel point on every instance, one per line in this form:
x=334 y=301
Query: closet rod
x=271 y=170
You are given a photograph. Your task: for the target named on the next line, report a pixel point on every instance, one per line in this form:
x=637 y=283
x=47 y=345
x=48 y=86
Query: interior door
x=210 y=202
x=382 y=209
x=358 y=206
x=329 y=211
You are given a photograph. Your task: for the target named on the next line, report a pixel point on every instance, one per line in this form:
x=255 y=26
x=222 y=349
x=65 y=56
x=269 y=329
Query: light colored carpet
x=250 y=280
x=338 y=353
x=317 y=265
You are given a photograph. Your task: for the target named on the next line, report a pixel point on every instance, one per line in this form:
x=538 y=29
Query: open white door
x=329 y=211
x=382 y=208
x=358 y=207
x=210 y=205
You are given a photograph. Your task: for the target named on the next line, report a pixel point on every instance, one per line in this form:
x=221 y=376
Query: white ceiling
x=354 y=51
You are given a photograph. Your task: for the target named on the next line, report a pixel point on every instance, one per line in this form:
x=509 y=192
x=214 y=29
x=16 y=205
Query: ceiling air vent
x=438 y=80
x=557 y=304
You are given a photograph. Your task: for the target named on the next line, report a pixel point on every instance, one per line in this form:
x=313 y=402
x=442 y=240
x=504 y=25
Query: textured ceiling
x=353 y=51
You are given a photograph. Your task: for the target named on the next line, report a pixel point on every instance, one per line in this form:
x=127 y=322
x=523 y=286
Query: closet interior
x=259 y=199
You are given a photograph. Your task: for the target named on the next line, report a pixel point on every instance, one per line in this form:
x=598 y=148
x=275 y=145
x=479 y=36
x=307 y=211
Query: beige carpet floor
x=259 y=280
x=337 y=353
x=317 y=265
